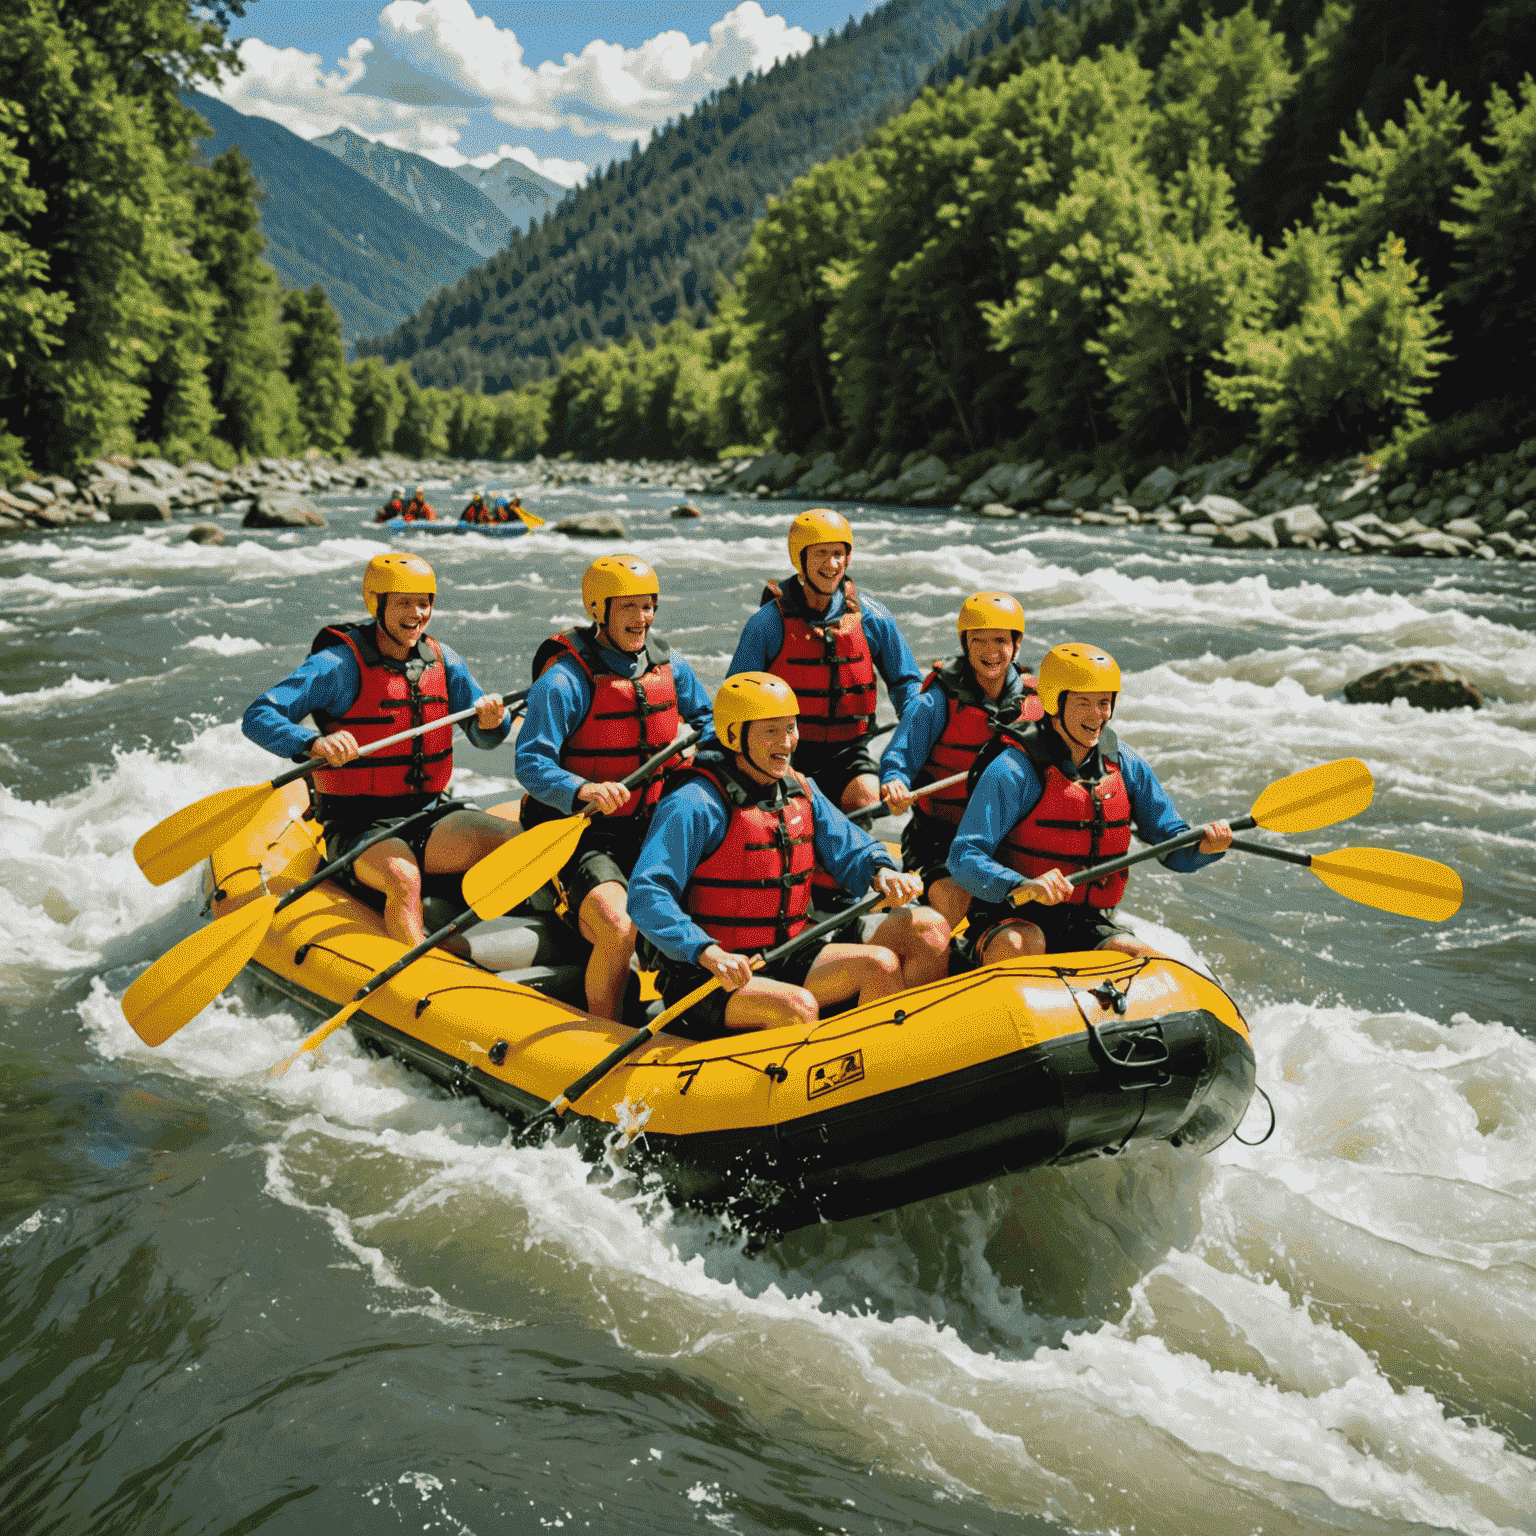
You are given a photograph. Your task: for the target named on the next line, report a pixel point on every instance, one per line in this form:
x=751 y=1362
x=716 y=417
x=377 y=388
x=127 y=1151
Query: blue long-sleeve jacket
x=1009 y=790
x=558 y=702
x=689 y=824
x=921 y=725
x=329 y=681
x=762 y=639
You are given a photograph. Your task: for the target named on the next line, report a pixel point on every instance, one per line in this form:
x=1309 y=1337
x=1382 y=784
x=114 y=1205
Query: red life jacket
x=627 y=720
x=1078 y=821
x=478 y=512
x=754 y=890
x=396 y=508
x=974 y=720
x=394 y=696
x=828 y=665
x=419 y=512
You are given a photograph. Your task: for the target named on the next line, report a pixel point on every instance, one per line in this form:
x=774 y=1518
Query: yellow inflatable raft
x=1005 y=1068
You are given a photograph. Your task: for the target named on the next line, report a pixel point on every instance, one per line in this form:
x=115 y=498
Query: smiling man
x=726 y=871
x=361 y=683
x=827 y=641
x=604 y=699
x=1058 y=796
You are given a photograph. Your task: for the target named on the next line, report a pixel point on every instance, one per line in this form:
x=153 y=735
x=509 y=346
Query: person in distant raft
x=394 y=507
x=726 y=871
x=1054 y=797
x=478 y=510
x=965 y=702
x=418 y=509
x=604 y=699
x=827 y=641
x=362 y=682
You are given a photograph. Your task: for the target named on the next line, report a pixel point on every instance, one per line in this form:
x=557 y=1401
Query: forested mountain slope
x=325 y=223
x=656 y=237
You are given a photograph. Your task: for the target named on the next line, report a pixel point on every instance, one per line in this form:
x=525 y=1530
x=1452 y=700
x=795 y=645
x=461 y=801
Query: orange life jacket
x=626 y=721
x=419 y=512
x=393 y=696
x=478 y=512
x=754 y=891
x=1079 y=820
x=828 y=665
x=396 y=508
x=974 y=720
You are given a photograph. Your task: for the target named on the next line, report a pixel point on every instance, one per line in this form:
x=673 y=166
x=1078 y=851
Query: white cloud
x=568 y=173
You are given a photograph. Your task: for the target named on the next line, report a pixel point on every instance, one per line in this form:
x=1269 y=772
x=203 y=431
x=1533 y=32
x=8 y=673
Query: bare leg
x=605 y=925
x=860 y=792
x=463 y=839
x=767 y=1004
x=390 y=867
x=1126 y=945
x=1016 y=941
x=950 y=900
x=919 y=937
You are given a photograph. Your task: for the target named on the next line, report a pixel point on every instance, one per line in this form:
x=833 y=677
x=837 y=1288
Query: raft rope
x=1272 y=1121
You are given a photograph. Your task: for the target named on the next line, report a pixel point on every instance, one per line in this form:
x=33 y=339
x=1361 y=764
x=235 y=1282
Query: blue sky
x=562 y=88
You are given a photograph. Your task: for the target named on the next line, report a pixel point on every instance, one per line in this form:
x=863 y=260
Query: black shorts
x=706 y=1019
x=607 y=852
x=1068 y=926
x=832 y=768
x=925 y=842
x=344 y=833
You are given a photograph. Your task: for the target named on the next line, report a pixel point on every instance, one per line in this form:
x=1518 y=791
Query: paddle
x=496 y=895
x=174 y=845
x=184 y=980
x=530 y=519
x=1378 y=877
x=558 y=1106
x=516 y=870
x=1301 y=802
x=879 y=808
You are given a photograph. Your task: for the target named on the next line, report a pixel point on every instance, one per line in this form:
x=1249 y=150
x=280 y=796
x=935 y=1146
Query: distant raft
x=1014 y=1066
x=515 y=529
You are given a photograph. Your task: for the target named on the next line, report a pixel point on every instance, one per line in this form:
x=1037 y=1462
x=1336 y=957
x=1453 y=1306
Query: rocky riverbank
x=1485 y=510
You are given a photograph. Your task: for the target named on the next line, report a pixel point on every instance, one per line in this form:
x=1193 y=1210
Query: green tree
x=1199 y=277
x=421 y=432
x=1351 y=371
x=1221 y=87
x=317 y=368
x=377 y=401
x=518 y=421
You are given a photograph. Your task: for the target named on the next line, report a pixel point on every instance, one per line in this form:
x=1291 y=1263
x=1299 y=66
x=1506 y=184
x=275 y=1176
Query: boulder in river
x=1425 y=685
x=133 y=503
x=685 y=510
x=592 y=525
x=1256 y=533
x=1153 y=488
x=283 y=509
x=997 y=509
x=205 y=533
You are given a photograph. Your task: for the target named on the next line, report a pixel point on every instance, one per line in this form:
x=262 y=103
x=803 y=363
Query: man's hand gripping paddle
x=492 y=888
x=173 y=846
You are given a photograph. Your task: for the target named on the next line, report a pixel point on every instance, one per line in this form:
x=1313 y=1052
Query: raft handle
x=1135 y=1058
x=1108 y=995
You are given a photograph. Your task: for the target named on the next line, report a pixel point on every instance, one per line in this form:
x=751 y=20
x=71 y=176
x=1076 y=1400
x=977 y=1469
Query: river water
x=342 y=1300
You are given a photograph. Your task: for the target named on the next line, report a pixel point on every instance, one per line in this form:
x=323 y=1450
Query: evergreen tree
x=421 y=432
x=377 y=400
x=317 y=368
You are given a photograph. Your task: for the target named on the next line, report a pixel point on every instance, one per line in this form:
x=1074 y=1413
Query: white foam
x=224 y=645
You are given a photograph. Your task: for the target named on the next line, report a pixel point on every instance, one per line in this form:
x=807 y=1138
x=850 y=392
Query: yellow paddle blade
x=1395 y=882
x=184 y=980
x=517 y=869
x=319 y=1037
x=530 y=519
x=1315 y=797
x=173 y=846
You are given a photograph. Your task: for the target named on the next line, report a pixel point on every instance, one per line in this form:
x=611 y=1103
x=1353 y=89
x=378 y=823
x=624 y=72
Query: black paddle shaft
x=301 y=770
x=1242 y=845
x=1111 y=866
x=648 y=1031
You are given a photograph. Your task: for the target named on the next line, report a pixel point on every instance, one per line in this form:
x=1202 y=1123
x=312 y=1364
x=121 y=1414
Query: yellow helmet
x=990 y=610
x=750 y=696
x=1074 y=668
x=479 y=493
x=616 y=576
x=819 y=526
x=395 y=573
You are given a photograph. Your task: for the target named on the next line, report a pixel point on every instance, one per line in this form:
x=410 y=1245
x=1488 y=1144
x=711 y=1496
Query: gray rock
x=38 y=495
x=1080 y=491
x=57 y=515
x=1001 y=510
x=856 y=483
x=107 y=469
x=1032 y=484
x=1221 y=510
x=1518 y=518
x=1058 y=506
x=1404 y=492
x=934 y=494
x=1425 y=685
x=592 y=525
x=886 y=467
x=129 y=503
x=996 y=484
x=885 y=491
x=1205 y=479
x=685 y=510
x=1367 y=529
x=1302 y=527
x=283 y=509
x=926 y=475
x=159 y=471
x=1524 y=488
x=1459 y=506
x=1433 y=541
x=1257 y=533
x=1463 y=528
x=1403 y=513
x=205 y=533
x=1153 y=488
x=197 y=469
x=1113 y=489
x=820 y=475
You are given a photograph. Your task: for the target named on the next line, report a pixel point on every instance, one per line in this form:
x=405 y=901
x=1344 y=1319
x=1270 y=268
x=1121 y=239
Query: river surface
x=343 y=1301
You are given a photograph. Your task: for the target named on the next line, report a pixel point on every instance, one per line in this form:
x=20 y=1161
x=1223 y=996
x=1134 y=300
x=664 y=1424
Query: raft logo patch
x=837 y=1073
